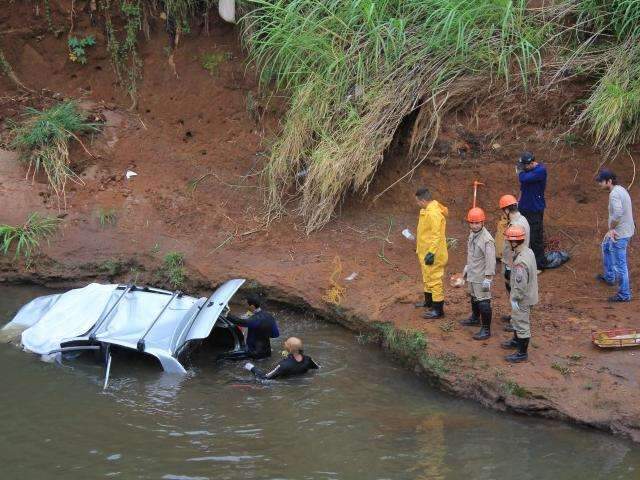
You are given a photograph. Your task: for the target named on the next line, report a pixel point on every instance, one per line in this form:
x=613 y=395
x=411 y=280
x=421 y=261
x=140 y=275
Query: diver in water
x=261 y=328
x=295 y=363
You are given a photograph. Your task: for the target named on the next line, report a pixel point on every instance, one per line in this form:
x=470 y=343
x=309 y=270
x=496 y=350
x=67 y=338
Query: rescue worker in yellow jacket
x=479 y=272
x=431 y=248
x=512 y=216
x=524 y=292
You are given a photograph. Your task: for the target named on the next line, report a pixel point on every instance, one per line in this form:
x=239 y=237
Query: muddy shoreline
x=492 y=395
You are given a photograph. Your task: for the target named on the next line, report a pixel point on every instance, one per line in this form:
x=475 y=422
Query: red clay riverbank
x=199 y=124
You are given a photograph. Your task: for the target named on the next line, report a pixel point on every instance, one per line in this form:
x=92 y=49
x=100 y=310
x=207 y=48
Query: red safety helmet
x=476 y=215
x=507 y=201
x=514 y=233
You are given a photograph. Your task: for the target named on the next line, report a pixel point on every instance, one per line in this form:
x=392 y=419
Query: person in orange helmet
x=479 y=272
x=524 y=292
x=512 y=216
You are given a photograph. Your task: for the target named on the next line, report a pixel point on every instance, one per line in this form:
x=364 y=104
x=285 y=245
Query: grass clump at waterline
x=173 y=271
x=356 y=69
x=42 y=137
x=25 y=239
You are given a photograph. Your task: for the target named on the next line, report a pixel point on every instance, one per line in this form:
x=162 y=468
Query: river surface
x=360 y=417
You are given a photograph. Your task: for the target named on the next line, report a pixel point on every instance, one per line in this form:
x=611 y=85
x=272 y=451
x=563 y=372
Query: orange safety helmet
x=514 y=233
x=476 y=215
x=507 y=201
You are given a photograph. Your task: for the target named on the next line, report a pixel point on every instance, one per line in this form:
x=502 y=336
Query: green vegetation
x=111 y=267
x=513 y=388
x=107 y=217
x=78 y=46
x=42 y=138
x=563 y=369
x=25 y=239
x=173 y=269
x=411 y=344
x=211 y=61
x=356 y=69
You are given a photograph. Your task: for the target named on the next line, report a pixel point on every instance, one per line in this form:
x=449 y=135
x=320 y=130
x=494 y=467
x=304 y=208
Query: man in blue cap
x=533 y=182
x=616 y=240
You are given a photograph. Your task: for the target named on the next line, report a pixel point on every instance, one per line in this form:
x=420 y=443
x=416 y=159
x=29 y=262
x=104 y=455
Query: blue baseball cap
x=526 y=158
x=605 y=174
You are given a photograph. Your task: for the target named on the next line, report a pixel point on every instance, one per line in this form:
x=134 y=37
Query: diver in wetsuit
x=295 y=363
x=261 y=328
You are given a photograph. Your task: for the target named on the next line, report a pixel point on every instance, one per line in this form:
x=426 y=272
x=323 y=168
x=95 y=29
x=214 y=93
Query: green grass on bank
x=25 y=239
x=42 y=137
x=355 y=69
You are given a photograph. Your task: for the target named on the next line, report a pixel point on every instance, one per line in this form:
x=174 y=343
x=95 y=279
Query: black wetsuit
x=287 y=367
x=262 y=327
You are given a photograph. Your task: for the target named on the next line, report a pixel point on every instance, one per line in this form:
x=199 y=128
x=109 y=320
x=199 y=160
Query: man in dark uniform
x=533 y=182
x=261 y=326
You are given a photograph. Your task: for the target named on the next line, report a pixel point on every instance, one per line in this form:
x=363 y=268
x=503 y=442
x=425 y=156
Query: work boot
x=509 y=344
x=437 y=311
x=485 y=314
x=474 y=319
x=427 y=301
x=521 y=354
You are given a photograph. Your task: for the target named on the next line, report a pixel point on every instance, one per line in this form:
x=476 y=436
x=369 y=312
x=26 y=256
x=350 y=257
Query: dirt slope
x=218 y=126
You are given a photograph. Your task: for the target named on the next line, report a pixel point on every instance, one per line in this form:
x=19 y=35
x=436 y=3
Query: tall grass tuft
x=42 y=137
x=355 y=69
x=25 y=239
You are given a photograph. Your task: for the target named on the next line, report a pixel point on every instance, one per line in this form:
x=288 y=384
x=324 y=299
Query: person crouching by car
x=295 y=363
x=261 y=328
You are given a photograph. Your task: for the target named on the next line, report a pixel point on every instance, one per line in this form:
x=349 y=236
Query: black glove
x=429 y=258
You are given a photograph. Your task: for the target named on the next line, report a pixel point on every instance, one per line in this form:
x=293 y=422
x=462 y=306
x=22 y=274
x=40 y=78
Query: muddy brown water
x=360 y=417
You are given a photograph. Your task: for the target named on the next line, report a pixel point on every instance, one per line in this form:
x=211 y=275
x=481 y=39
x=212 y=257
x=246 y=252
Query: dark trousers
x=535 y=220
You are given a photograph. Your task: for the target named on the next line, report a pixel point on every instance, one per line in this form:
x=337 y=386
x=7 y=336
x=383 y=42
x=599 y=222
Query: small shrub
x=107 y=217
x=78 y=46
x=25 y=239
x=173 y=269
x=111 y=267
x=409 y=343
x=42 y=138
x=513 y=388
x=563 y=369
x=211 y=61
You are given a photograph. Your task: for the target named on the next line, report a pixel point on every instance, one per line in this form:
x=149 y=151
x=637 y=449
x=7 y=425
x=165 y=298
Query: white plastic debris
x=130 y=173
x=407 y=234
x=227 y=10
x=352 y=277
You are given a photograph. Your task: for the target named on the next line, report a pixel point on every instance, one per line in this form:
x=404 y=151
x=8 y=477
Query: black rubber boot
x=509 y=344
x=485 y=314
x=437 y=311
x=474 y=319
x=521 y=355
x=428 y=302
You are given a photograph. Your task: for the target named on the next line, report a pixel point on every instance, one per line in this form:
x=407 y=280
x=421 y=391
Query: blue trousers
x=614 y=262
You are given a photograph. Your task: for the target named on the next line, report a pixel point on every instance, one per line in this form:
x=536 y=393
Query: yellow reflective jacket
x=432 y=224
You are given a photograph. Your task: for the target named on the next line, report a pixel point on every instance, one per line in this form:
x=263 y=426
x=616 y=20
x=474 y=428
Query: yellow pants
x=432 y=280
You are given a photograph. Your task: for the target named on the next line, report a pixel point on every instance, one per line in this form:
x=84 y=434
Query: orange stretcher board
x=616 y=338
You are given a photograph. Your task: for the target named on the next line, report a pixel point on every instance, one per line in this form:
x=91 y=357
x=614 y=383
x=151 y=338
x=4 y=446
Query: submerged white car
x=148 y=320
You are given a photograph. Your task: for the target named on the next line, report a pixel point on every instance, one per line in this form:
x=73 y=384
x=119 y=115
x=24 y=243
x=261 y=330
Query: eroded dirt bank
x=216 y=128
